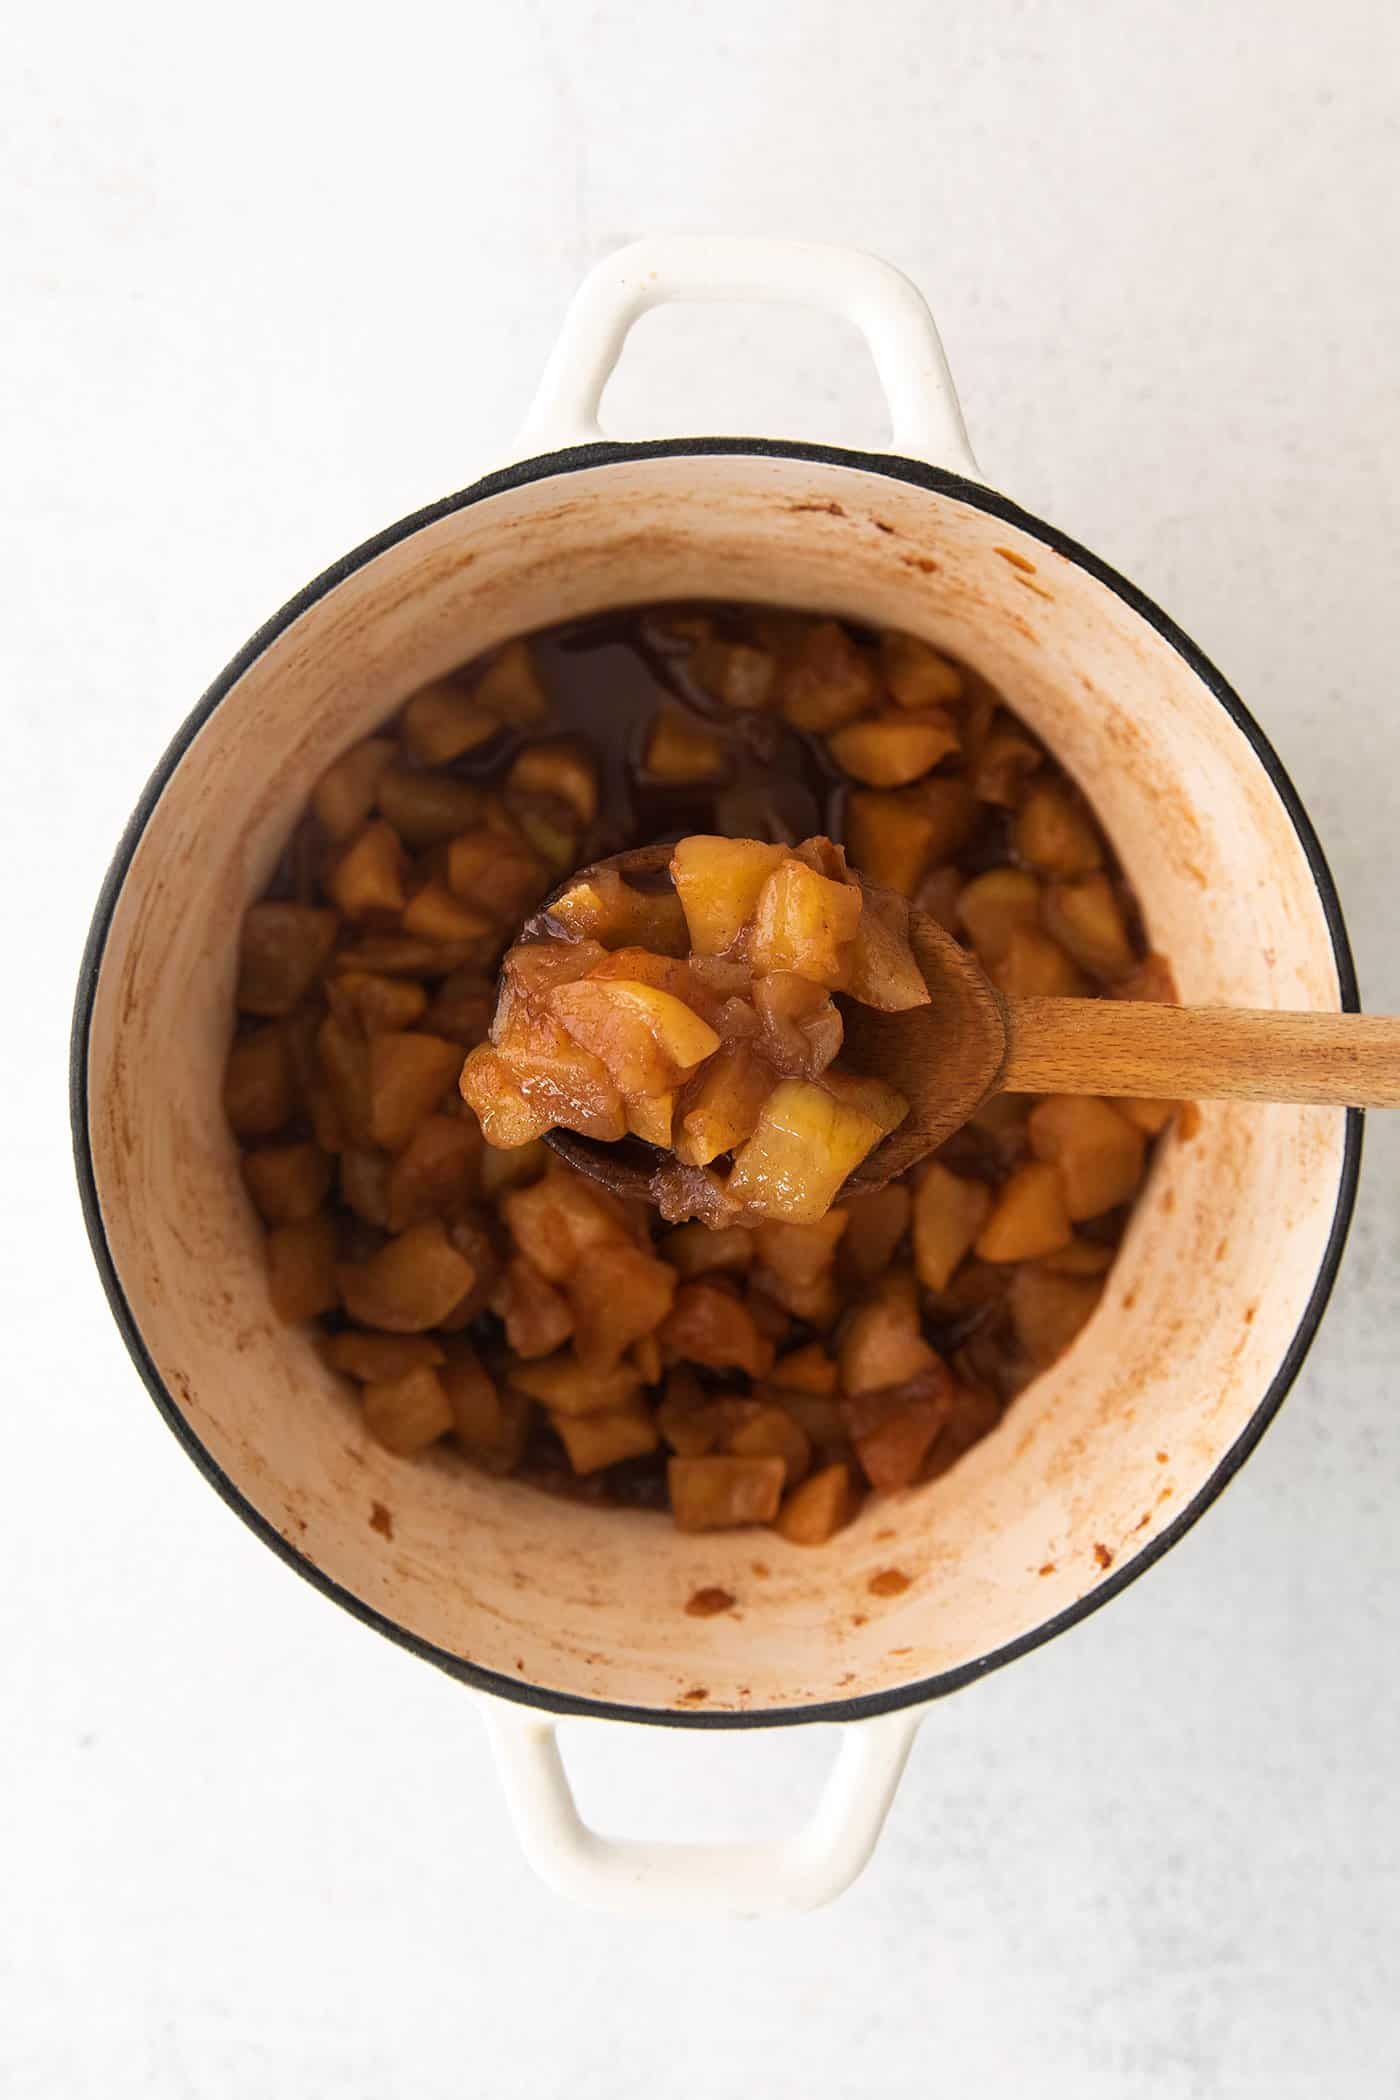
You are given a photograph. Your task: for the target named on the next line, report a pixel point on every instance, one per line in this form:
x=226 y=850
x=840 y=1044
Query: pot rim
x=542 y=467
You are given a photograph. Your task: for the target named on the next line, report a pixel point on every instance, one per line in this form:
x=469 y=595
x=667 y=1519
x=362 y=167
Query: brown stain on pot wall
x=381 y=1519
x=826 y=510
x=709 y=1603
x=889 y=1582
x=1103 y=1555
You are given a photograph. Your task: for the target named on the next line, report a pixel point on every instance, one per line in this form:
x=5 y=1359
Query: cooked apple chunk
x=719 y=882
x=893 y=750
x=718 y=1493
x=805 y=923
x=804 y=1146
x=681 y=749
x=647 y=1040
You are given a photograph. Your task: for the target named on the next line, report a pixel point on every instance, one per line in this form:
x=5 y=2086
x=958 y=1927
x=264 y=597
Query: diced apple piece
x=806 y=1370
x=558 y=1075
x=496 y=874
x=561 y=1220
x=646 y=1359
x=1151 y=1117
x=434 y=1173
x=508 y=1119
x=915 y=673
x=618 y=1295
x=686 y=1416
x=1048 y=1311
x=567 y=1387
x=1055 y=832
x=882 y=971
x=767 y=1430
x=1036 y=967
x=409 y=1413
x=1099 y=1153
x=717 y=1494
x=734 y=673
x=426 y=809
x=719 y=1108
x=876 y=1224
x=949 y=1212
x=440 y=723
x=410 y=1284
x=894 y=838
x=379 y=1359
x=607 y=909
x=709 y=1325
x=258 y=1095
x=650 y=1116
x=511 y=687
x=284 y=948
x=434 y=914
x=697 y=1250
x=1028 y=1218
x=368 y=878
x=801 y=1029
x=682 y=749
x=882 y=1343
x=894 y=1430
x=1079 y=1258
x=461 y=1008
x=816 y=1302
x=478 y=1419
x=288 y=1183
x=512 y=1167
x=827 y=680
x=561 y=769
x=874 y=1099
x=364 y=1183
x=1086 y=918
x=405 y=955
x=893 y=750
x=532 y=968
x=1004 y=764
x=992 y=906
x=801 y=1254
x=805 y=923
x=344 y=795
x=363 y=1000
x=598 y=1440
x=301 y=1276
x=804 y=1146
x=344 y=1062
x=719 y=882
x=538 y=1319
x=815 y=1510
x=647 y=1040
x=551 y=829
x=408 y=1075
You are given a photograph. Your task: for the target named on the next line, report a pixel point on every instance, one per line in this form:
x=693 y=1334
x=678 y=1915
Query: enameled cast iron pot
x=552 y=1608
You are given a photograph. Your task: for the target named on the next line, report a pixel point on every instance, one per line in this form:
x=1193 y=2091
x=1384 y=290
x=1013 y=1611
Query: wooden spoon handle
x=1200 y=1053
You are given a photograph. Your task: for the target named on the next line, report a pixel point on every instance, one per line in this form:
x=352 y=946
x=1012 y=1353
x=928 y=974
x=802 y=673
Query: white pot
x=555 y=1608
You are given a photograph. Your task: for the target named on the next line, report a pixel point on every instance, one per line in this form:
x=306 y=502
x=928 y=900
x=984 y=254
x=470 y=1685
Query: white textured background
x=273 y=276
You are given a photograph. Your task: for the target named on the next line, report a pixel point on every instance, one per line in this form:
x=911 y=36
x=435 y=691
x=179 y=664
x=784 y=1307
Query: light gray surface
x=280 y=275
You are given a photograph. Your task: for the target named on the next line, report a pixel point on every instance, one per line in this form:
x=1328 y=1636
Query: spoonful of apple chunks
x=738 y=1031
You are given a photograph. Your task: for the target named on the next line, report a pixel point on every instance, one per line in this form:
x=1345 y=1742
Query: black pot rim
x=891 y=467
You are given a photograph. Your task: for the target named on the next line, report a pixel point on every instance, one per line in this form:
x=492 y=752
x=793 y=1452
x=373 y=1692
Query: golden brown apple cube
x=404 y=955
x=1028 y=1217
x=665 y=973
x=916 y=674
x=708 y=1324
x=720 y=1106
x=1086 y=918
x=1099 y=1153
x=646 y=1360
x=992 y=906
x=801 y=1254
x=513 y=1167
x=344 y=795
x=647 y=1040
x=815 y=1510
x=496 y=874
x=1048 y=1311
x=599 y=1440
x=367 y=880
x=537 y=1315
x=461 y=1008
x=1079 y=1258
x=890 y=751
x=567 y=1387
x=562 y=1220
x=719 y=882
x=804 y=923
x=301 y=1278
x=826 y=681
x=697 y=1250
x=426 y=809
x=949 y=1212
x=734 y=673
x=511 y=687
x=343 y=1059
x=409 y=1413
x=804 y=1146
x=882 y=971
x=769 y=1431
x=563 y=1079
x=1036 y=967
x=893 y=1431
x=408 y=1075
x=718 y=1494
x=258 y=1091
x=364 y=1183
x=876 y=1224
x=532 y=968
x=882 y=1343
x=894 y=838
x=561 y=770
x=411 y=1284
x=478 y=1418
x=440 y=723
x=364 y=1000
x=1151 y=1117
x=283 y=950
x=681 y=749
x=508 y=1118
x=618 y=1295
x=288 y=1183
x=649 y=1117
x=874 y=1099
x=379 y=1359
x=607 y=909
x=434 y=914
x=1055 y=832
x=1003 y=766
x=435 y=1172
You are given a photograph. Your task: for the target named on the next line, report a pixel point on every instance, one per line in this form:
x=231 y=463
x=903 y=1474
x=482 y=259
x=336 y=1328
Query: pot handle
x=750 y=1879
x=925 y=418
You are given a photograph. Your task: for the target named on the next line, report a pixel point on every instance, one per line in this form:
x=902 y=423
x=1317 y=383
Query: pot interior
x=1086 y=1468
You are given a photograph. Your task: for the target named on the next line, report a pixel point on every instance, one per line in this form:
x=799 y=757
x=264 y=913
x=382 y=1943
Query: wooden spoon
x=969 y=1043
